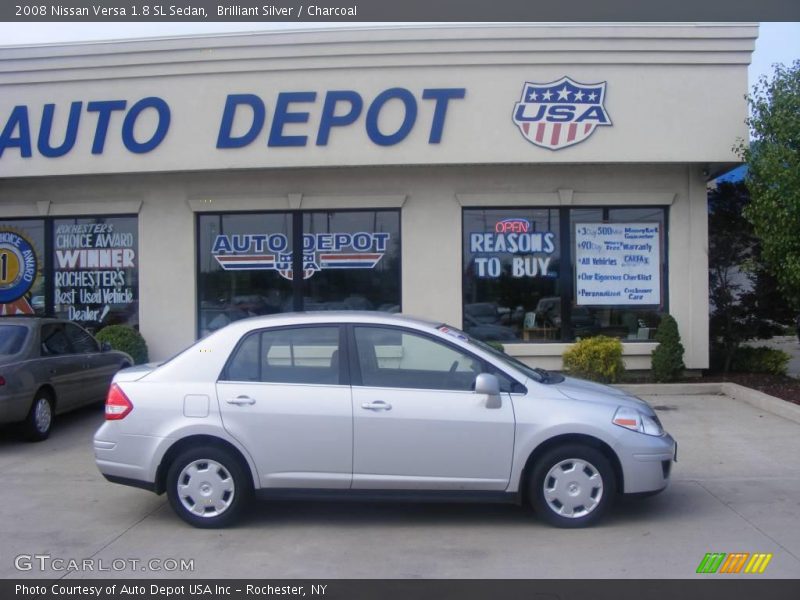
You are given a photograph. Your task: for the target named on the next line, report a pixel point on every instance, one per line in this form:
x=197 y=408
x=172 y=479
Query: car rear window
x=12 y=337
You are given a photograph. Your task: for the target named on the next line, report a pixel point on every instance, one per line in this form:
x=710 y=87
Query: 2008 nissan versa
x=373 y=405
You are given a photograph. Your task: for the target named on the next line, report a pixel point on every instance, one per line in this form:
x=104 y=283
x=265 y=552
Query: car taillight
x=2 y=380
x=117 y=404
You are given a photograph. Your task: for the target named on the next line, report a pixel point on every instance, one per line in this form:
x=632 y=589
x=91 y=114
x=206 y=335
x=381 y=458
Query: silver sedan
x=50 y=366
x=373 y=406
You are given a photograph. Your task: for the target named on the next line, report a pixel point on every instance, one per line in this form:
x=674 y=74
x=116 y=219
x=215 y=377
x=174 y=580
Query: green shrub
x=667 y=358
x=597 y=358
x=126 y=339
x=759 y=360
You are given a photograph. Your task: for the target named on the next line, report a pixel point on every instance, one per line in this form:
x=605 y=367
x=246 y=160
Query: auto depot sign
x=142 y=125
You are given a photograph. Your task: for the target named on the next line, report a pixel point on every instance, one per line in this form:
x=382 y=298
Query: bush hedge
x=759 y=360
x=598 y=358
x=667 y=358
x=125 y=339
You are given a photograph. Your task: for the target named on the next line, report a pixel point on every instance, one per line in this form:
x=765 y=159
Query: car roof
x=27 y=319
x=335 y=316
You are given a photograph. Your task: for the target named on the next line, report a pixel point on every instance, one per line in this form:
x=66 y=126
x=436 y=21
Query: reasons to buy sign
x=618 y=264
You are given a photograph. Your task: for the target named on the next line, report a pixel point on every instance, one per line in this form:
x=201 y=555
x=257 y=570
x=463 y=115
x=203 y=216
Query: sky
x=777 y=42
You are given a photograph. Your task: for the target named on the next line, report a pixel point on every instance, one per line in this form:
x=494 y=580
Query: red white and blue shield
x=560 y=113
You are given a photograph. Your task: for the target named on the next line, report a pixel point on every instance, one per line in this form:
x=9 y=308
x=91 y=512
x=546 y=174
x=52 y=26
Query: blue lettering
x=128 y=125
x=375 y=134
x=593 y=113
x=560 y=114
x=232 y=102
x=221 y=244
x=18 y=118
x=103 y=108
x=362 y=241
x=329 y=118
x=283 y=116
x=69 y=136
x=442 y=97
x=521 y=116
x=277 y=243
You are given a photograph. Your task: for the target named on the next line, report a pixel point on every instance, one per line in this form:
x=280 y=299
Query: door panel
x=281 y=396
x=409 y=437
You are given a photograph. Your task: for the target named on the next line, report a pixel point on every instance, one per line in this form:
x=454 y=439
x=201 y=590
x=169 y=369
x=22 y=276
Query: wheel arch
x=51 y=393
x=192 y=441
x=565 y=439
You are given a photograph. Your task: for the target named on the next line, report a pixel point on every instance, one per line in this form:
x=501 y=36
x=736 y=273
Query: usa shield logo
x=560 y=113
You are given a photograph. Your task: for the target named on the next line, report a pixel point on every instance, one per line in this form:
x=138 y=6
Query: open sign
x=513 y=226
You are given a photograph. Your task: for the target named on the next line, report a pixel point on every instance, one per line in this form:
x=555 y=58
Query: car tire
x=39 y=422
x=208 y=487
x=572 y=486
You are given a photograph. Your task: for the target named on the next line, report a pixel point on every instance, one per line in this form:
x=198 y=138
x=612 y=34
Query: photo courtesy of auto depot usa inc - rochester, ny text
x=166 y=591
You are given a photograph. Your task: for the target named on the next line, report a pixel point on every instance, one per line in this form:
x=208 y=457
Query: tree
x=744 y=301
x=773 y=178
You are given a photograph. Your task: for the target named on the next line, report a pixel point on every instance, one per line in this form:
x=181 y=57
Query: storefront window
x=356 y=255
x=512 y=274
x=350 y=261
x=245 y=267
x=629 y=268
x=22 y=267
x=96 y=271
x=525 y=279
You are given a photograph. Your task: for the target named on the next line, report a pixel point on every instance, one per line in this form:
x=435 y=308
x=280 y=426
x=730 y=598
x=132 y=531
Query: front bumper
x=647 y=462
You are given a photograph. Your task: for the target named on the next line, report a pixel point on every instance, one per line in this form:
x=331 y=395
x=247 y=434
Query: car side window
x=399 y=358
x=54 y=340
x=307 y=355
x=81 y=340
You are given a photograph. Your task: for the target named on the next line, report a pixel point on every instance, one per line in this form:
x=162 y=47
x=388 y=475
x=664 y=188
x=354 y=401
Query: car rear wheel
x=39 y=421
x=572 y=486
x=207 y=487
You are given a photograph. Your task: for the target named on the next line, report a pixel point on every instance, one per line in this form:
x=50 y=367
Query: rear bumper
x=127 y=458
x=145 y=485
x=14 y=408
x=647 y=465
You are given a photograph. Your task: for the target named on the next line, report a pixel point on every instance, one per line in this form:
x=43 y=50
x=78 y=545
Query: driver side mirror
x=489 y=384
x=105 y=347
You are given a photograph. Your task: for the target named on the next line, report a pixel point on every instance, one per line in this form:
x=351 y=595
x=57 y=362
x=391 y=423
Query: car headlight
x=632 y=419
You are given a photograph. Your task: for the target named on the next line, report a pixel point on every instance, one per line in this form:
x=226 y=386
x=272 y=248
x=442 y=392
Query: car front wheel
x=39 y=421
x=207 y=487
x=572 y=486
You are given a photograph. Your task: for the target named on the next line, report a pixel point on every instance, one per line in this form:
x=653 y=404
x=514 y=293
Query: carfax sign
x=618 y=264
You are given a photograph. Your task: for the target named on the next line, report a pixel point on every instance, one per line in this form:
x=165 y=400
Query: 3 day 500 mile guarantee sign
x=618 y=264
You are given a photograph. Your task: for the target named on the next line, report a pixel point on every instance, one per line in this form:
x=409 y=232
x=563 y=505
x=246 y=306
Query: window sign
x=618 y=264
x=264 y=251
x=21 y=267
x=95 y=270
x=531 y=250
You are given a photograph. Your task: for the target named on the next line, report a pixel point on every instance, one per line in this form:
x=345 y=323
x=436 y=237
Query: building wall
x=431 y=200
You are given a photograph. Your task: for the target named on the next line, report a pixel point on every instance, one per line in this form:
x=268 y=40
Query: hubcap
x=573 y=488
x=206 y=488
x=42 y=415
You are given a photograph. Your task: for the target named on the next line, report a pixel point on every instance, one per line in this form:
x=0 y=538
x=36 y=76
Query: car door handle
x=241 y=400
x=377 y=405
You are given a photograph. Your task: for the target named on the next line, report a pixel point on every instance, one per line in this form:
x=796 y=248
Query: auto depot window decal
x=350 y=260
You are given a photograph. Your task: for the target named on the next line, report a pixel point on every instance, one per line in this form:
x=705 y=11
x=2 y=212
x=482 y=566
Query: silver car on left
x=48 y=367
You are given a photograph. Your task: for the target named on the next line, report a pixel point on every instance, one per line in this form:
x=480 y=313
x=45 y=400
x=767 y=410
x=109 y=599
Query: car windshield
x=12 y=337
x=539 y=375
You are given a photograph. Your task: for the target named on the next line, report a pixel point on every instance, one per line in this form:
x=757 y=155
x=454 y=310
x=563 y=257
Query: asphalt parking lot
x=736 y=488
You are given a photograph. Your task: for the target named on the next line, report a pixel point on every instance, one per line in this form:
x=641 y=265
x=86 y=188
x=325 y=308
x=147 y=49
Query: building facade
x=530 y=184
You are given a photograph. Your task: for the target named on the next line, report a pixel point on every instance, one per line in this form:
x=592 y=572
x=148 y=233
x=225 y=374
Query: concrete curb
x=760 y=400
